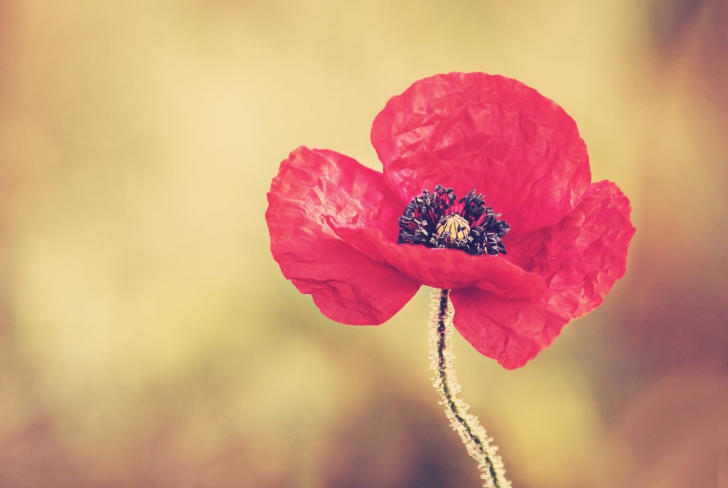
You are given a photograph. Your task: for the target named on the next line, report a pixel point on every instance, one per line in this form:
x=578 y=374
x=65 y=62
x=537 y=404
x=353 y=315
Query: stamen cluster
x=435 y=220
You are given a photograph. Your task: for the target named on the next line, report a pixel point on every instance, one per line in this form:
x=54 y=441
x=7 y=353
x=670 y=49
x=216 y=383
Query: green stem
x=468 y=427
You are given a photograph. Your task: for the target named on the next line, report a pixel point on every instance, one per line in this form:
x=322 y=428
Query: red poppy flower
x=361 y=243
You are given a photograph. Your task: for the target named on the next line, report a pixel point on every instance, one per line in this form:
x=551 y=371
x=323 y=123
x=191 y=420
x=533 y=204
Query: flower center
x=453 y=229
x=435 y=220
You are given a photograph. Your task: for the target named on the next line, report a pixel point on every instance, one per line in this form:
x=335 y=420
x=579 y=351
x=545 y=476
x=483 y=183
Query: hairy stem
x=466 y=425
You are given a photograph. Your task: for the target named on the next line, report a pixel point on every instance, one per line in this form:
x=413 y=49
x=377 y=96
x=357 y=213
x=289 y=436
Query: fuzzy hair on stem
x=471 y=433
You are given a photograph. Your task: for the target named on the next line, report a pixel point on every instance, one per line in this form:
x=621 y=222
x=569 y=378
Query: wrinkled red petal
x=488 y=133
x=509 y=331
x=580 y=258
x=444 y=268
x=348 y=287
x=586 y=253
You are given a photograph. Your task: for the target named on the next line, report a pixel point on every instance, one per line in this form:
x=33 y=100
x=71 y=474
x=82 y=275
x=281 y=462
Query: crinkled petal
x=586 y=253
x=580 y=258
x=488 y=133
x=348 y=287
x=444 y=268
x=509 y=331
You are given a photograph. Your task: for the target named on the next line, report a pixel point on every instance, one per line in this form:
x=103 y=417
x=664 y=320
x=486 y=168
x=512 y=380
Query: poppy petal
x=489 y=133
x=346 y=285
x=510 y=331
x=445 y=268
x=580 y=258
x=586 y=253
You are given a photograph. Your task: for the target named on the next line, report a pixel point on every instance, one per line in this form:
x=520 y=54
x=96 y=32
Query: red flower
x=334 y=223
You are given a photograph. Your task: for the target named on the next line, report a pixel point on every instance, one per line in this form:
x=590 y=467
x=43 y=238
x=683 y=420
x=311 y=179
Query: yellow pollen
x=456 y=226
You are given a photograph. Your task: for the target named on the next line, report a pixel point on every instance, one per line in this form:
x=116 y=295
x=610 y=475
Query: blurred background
x=148 y=339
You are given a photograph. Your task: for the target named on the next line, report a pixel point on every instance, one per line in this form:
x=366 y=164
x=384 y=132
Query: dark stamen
x=435 y=220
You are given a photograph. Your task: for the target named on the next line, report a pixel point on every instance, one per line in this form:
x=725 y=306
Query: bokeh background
x=148 y=339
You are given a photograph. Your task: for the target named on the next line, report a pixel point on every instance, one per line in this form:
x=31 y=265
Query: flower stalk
x=471 y=433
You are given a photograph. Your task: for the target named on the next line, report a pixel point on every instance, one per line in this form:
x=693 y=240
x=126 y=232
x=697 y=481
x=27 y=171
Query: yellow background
x=148 y=339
